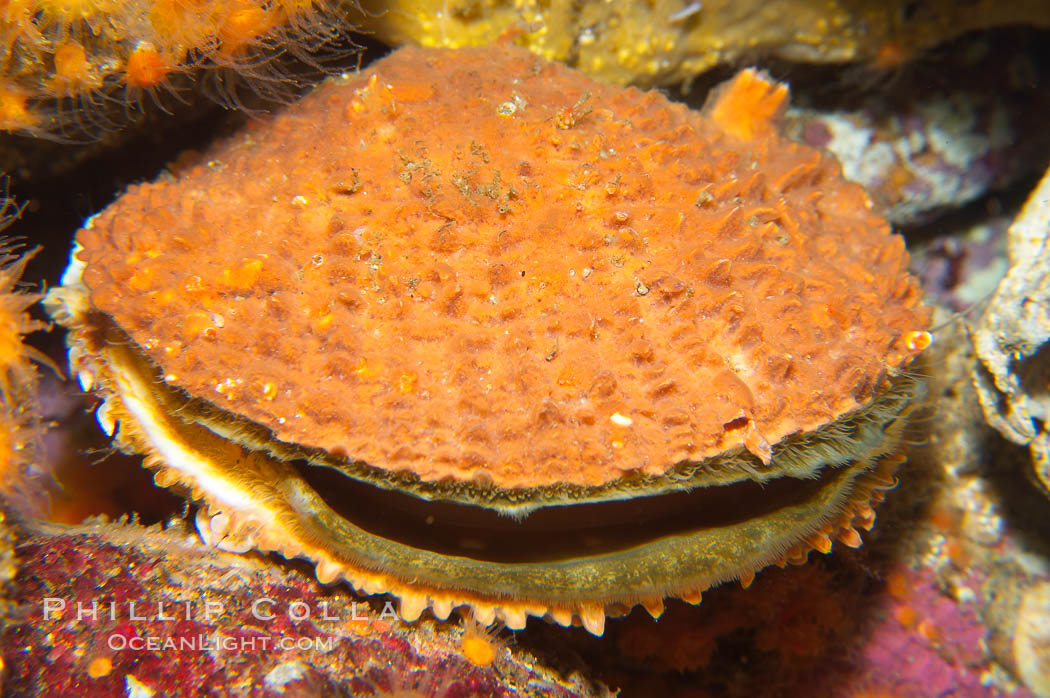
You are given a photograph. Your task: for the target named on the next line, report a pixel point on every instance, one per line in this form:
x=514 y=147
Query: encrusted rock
x=666 y=42
x=1013 y=375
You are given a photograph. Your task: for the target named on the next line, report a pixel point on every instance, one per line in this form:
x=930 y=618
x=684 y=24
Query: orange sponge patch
x=749 y=105
x=479 y=265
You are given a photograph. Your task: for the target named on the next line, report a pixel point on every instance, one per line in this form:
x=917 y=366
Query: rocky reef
x=935 y=108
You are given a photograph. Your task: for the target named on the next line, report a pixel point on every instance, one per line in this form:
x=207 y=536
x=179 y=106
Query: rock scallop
x=472 y=329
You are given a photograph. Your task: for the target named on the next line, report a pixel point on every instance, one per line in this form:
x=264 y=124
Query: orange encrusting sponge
x=748 y=106
x=481 y=266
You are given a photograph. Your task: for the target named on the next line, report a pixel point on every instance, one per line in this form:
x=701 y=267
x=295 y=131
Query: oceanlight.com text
x=216 y=642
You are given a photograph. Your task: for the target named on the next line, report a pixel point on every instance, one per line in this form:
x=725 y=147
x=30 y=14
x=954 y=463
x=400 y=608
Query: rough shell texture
x=480 y=265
